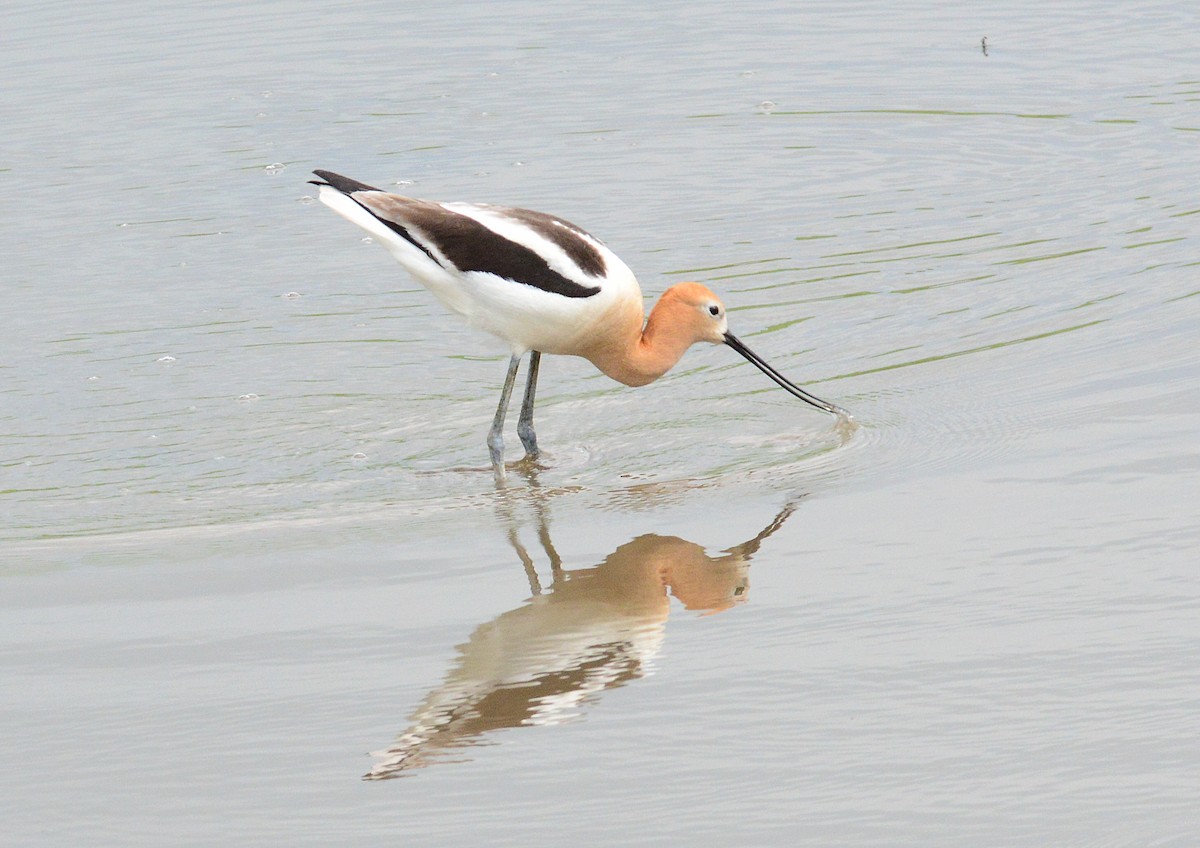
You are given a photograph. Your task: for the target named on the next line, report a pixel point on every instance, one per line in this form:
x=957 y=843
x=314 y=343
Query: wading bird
x=542 y=285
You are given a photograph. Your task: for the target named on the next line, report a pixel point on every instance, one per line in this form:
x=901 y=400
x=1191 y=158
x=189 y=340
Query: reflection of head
x=641 y=572
x=701 y=582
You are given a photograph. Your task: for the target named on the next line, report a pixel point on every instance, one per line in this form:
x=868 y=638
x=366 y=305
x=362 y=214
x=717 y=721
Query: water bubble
x=518 y=164
x=359 y=456
x=367 y=240
x=292 y=295
x=404 y=182
x=167 y=358
x=747 y=73
x=306 y=199
x=266 y=95
x=274 y=167
x=93 y=378
x=767 y=106
x=249 y=397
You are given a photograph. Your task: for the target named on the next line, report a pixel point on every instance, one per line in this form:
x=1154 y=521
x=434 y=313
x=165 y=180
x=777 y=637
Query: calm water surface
x=250 y=551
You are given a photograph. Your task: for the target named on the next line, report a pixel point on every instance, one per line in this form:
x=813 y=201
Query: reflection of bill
x=597 y=629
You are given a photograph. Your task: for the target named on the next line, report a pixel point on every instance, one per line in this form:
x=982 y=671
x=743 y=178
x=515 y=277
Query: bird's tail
x=343 y=184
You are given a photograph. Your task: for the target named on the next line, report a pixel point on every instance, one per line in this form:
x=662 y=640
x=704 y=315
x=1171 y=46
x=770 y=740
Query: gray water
x=250 y=548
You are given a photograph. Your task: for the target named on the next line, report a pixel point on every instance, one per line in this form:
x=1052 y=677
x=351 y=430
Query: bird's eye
x=714 y=310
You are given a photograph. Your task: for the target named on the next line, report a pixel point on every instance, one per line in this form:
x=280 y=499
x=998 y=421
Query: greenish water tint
x=925 y=112
x=967 y=352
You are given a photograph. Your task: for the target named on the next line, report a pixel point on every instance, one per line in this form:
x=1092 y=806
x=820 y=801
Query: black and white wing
x=437 y=240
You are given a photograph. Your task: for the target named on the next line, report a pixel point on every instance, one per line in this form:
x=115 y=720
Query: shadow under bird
x=542 y=285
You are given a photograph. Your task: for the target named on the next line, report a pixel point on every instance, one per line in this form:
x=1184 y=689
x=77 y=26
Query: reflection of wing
x=536 y=665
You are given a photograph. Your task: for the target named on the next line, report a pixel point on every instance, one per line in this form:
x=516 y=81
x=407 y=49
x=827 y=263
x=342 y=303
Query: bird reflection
x=594 y=629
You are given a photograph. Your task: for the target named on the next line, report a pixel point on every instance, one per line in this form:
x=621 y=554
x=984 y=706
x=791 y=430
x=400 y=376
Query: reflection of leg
x=535 y=584
x=525 y=422
x=541 y=512
x=507 y=515
x=538 y=499
x=495 y=439
x=548 y=546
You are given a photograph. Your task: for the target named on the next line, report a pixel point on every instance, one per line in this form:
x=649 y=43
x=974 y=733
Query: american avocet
x=542 y=285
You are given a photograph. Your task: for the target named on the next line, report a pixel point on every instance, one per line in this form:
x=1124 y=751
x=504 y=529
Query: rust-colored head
x=692 y=311
x=685 y=314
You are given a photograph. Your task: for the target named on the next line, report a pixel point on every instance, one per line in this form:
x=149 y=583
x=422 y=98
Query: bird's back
x=535 y=280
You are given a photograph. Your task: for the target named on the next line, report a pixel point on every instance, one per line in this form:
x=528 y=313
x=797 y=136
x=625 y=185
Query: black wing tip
x=343 y=184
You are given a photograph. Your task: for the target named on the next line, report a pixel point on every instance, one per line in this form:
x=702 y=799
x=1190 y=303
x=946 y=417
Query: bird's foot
x=528 y=439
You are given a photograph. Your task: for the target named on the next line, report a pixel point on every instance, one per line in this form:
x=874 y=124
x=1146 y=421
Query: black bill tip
x=790 y=387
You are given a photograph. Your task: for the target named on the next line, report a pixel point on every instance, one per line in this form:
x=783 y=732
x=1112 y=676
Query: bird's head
x=696 y=310
x=699 y=313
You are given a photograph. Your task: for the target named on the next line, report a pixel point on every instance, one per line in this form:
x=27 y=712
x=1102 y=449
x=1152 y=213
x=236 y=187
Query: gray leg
x=495 y=439
x=525 y=421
